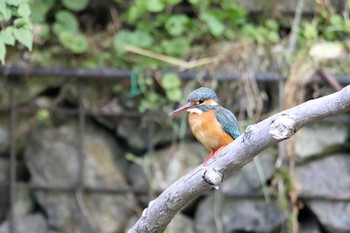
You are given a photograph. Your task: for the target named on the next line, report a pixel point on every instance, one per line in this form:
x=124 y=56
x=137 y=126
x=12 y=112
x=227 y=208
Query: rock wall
x=115 y=156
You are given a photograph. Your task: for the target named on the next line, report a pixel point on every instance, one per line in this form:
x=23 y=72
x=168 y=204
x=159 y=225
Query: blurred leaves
x=76 y=5
x=19 y=25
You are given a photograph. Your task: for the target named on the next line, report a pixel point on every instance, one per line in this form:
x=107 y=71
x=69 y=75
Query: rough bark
x=256 y=138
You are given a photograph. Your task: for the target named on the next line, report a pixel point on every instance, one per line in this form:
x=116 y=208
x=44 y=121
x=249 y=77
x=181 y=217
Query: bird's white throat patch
x=195 y=110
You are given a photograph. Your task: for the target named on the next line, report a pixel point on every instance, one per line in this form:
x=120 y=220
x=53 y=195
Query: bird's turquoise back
x=228 y=121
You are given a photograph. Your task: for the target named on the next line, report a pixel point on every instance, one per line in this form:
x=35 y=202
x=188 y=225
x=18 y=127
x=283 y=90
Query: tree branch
x=256 y=138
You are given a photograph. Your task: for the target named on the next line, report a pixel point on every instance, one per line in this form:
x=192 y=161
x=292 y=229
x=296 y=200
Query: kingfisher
x=213 y=126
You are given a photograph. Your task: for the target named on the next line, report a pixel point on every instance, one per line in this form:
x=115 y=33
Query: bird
x=213 y=125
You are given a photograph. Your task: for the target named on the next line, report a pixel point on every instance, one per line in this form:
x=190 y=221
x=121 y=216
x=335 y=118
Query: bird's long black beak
x=181 y=109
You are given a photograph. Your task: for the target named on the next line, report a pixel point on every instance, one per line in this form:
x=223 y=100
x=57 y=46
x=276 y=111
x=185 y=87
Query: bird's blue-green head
x=200 y=99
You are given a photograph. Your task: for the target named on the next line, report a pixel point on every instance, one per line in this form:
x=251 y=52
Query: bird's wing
x=228 y=121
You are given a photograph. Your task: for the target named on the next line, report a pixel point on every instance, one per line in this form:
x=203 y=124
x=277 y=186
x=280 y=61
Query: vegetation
x=162 y=35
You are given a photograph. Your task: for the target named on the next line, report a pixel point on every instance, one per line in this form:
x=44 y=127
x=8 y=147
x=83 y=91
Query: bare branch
x=255 y=139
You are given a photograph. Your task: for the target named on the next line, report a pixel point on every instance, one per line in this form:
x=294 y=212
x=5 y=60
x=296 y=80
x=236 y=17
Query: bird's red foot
x=213 y=153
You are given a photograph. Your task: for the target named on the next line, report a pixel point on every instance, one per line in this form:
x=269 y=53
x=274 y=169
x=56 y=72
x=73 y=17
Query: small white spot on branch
x=144 y=212
x=282 y=127
x=213 y=177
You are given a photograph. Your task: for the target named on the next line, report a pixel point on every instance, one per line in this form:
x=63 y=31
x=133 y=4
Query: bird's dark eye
x=201 y=101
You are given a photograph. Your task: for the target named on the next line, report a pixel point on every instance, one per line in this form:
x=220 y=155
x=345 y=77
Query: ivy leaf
x=6 y=36
x=39 y=9
x=2 y=51
x=215 y=26
x=173 y=2
x=137 y=38
x=5 y=12
x=15 y=2
x=24 y=36
x=170 y=81
x=75 y=42
x=75 y=5
x=23 y=22
x=176 y=47
x=155 y=5
x=24 y=9
x=65 y=21
x=176 y=24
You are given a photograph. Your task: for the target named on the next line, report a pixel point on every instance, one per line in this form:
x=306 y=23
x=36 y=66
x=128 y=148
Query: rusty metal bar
x=80 y=189
x=73 y=111
x=332 y=81
x=13 y=164
x=116 y=74
x=72 y=188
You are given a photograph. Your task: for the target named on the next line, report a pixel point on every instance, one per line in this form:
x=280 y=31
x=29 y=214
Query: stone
x=24 y=202
x=171 y=163
x=51 y=157
x=181 y=223
x=333 y=215
x=309 y=227
x=27 y=224
x=21 y=131
x=135 y=132
x=239 y=215
x=4 y=193
x=321 y=138
x=4 y=138
x=328 y=177
x=248 y=180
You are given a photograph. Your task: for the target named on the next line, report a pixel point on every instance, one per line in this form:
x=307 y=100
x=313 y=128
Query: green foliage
x=328 y=26
x=176 y=25
x=75 y=42
x=76 y=5
x=65 y=22
x=171 y=83
x=18 y=26
x=263 y=34
x=137 y=38
x=39 y=10
x=66 y=29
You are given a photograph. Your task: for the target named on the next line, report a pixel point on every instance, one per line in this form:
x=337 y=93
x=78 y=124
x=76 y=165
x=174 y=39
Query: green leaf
x=39 y=9
x=6 y=36
x=24 y=36
x=309 y=31
x=216 y=27
x=14 y=2
x=136 y=38
x=174 y=95
x=75 y=42
x=65 y=21
x=136 y=11
x=5 y=13
x=194 y=2
x=176 y=47
x=155 y=5
x=24 y=9
x=176 y=24
x=172 y=2
x=23 y=22
x=170 y=81
x=75 y=5
x=2 y=52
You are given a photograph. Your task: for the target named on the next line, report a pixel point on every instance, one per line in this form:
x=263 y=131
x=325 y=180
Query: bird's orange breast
x=208 y=130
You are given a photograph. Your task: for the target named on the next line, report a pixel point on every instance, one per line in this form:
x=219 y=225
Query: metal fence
x=13 y=74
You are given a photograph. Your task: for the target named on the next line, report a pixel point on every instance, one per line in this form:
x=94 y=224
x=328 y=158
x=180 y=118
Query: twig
x=171 y=60
x=330 y=79
x=255 y=139
x=296 y=22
